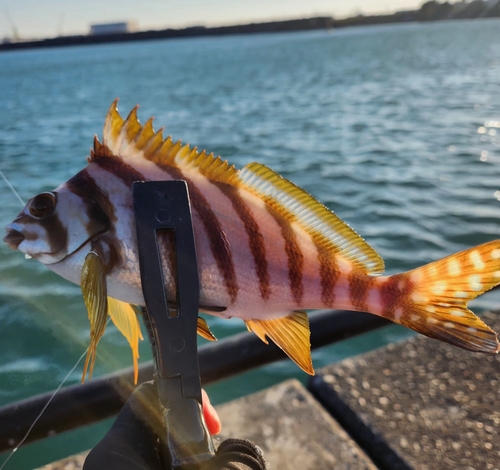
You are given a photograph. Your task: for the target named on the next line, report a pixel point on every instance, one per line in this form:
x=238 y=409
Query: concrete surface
x=75 y=462
x=420 y=404
x=286 y=422
x=292 y=429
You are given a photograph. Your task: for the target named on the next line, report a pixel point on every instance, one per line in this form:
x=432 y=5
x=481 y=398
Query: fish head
x=55 y=224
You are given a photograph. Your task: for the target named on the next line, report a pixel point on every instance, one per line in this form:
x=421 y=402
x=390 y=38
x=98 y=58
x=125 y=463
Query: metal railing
x=100 y=398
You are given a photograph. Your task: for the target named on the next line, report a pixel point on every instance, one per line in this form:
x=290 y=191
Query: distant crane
x=15 y=34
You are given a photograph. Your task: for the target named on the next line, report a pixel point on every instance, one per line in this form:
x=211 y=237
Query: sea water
x=395 y=128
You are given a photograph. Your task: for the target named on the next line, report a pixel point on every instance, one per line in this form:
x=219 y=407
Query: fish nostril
x=14 y=238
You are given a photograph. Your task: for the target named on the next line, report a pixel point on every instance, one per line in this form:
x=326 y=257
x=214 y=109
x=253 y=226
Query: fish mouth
x=14 y=238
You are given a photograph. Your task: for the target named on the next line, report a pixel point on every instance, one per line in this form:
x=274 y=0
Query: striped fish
x=267 y=250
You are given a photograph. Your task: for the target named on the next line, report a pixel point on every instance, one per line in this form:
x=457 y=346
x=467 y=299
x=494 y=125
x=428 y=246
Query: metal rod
x=100 y=398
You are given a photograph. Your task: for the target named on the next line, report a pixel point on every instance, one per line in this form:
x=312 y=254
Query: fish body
x=266 y=249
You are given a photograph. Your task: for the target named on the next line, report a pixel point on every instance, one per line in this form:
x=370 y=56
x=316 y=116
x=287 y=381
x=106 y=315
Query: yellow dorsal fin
x=93 y=283
x=130 y=130
x=204 y=330
x=125 y=319
x=112 y=129
x=207 y=164
x=291 y=334
x=128 y=139
x=300 y=207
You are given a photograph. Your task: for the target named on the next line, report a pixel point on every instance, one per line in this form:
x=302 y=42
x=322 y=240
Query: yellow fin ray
x=204 y=330
x=144 y=134
x=208 y=165
x=128 y=138
x=99 y=150
x=152 y=145
x=291 y=334
x=256 y=327
x=298 y=206
x=93 y=284
x=129 y=132
x=125 y=319
x=112 y=129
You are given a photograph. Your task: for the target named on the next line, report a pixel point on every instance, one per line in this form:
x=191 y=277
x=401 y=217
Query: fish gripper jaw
x=164 y=206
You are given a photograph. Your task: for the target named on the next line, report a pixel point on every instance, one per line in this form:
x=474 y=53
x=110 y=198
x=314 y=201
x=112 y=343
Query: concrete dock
x=419 y=404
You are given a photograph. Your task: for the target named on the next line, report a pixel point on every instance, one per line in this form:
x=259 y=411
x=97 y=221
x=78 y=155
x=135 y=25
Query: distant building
x=113 y=28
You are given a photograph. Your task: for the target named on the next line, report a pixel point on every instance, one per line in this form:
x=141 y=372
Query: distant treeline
x=429 y=11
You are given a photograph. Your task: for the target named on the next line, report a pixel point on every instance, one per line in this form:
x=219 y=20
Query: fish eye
x=42 y=204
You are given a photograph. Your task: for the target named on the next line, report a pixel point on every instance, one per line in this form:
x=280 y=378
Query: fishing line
x=43 y=410
x=49 y=401
x=7 y=182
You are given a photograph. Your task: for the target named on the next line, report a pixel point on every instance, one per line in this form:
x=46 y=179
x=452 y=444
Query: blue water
x=396 y=128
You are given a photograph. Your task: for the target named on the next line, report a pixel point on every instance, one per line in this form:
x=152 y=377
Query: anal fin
x=291 y=334
x=202 y=327
x=125 y=319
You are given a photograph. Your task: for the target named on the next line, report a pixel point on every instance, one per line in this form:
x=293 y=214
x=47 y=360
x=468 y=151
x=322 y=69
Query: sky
x=49 y=18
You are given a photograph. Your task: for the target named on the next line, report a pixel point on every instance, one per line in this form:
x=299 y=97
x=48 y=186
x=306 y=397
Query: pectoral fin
x=204 y=330
x=93 y=283
x=291 y=334
x=125 y=319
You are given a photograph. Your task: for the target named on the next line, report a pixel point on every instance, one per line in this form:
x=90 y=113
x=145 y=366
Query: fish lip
x=13 y=238
x=47 y=253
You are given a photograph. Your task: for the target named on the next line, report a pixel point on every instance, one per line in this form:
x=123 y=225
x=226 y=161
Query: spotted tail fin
x=440 y=291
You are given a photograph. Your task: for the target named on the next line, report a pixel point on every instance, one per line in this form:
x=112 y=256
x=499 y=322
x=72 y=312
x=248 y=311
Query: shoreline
x=428 y=12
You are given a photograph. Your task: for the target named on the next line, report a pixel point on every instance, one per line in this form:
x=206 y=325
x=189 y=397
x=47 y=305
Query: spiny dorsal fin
x=204 y=330
x=291 y=334
x=125 y=319
x=321 y=223
x=128 y=139
x=112 y=128
x=93 y=283
x=207 y=164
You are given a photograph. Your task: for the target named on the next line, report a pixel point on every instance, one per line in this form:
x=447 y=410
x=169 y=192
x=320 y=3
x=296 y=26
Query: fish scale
x=267 y=250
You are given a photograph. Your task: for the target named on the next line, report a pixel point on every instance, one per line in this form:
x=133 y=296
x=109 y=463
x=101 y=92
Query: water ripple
x=395 y=128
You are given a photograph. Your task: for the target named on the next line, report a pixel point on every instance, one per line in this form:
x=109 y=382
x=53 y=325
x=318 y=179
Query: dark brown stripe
x=84 y=186
x=105 y=247
x=101 y=213
x=57 y=234
x=99 y=150
x=329 y=272
x=395 y=292
x=166 y=240
x=358 y=287
x=294 y=255
x=255 y=237
x=217 y=238
x=119 y=168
